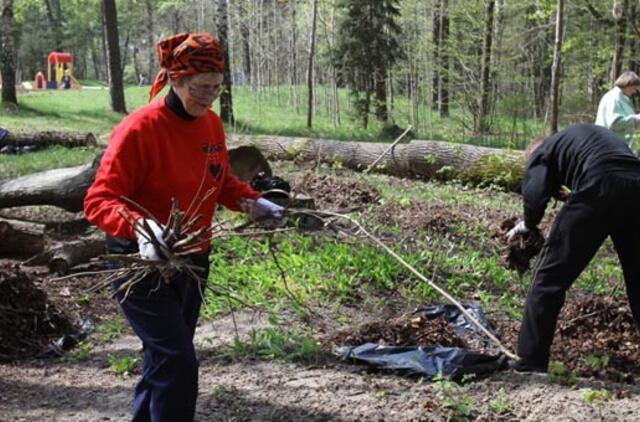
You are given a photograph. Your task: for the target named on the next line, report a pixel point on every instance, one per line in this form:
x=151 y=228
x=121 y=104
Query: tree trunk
x=435 y=37
x=381 y=96
x=66 y=255
x=226 y=99
x=125 y=48
x=246 y=46
x=95 y=60
x=620 y=8
x=21 y=238
x=54 y=14
x=293 y=69
x=136 y=64
x=634 y=62
x=312 y=51
x=421 y=159
x=116 y=86
x=555 y=68
x=64 y=188
x=7 y=55
x=151 y=45
x=46 y=138
x=485 y=79
x=443 y=93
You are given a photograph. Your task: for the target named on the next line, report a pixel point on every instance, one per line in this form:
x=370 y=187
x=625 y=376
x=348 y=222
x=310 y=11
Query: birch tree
x=555 y=68
x=226 y=100
x=312 y=52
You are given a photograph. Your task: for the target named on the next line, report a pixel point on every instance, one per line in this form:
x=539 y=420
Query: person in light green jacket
x=616 y=111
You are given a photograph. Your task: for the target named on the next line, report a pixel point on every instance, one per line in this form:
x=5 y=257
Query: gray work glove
x=145 y=246
x=519 y=228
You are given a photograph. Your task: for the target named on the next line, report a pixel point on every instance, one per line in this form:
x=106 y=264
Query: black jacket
x=576 y=157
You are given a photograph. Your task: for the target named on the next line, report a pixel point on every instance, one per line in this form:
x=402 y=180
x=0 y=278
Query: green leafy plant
x=123 y=366
x=597 y=362
x=273 y=342
x=500 y=403
x=456 y=404
x=596 y=396
x=559 y=374
x=80 y=353
x=110 y=329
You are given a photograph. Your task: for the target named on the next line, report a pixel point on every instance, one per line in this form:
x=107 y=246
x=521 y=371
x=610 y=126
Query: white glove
x=265 y=212
x=263 y=209
x=145 y=246
x=519 y=228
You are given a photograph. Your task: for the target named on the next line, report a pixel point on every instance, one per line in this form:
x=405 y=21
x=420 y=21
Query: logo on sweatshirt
x=211 y=149
x=216 y=171
x=214 y=156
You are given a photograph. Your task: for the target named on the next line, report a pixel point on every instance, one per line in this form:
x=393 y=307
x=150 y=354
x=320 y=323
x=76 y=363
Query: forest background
x=475 y=71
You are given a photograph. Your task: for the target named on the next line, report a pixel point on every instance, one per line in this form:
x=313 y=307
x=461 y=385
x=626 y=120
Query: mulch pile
x=521 y=249
x=28 y=320
x=401 y=331
x=591 y=327
x=603 y=327
x=333 y=193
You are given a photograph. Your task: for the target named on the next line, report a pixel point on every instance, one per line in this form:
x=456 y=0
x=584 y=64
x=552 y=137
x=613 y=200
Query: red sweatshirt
x=154 y=155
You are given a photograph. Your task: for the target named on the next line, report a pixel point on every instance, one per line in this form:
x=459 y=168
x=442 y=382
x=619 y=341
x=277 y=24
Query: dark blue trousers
x=164 y=316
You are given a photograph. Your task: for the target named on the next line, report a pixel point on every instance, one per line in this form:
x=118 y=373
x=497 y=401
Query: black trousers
x=610 y=207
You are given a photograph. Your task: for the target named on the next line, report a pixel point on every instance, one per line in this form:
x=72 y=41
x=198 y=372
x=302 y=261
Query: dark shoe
x=522 y=365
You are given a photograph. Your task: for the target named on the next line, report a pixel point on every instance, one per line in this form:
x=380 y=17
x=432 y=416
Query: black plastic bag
x=450 y=362
x=69 y=341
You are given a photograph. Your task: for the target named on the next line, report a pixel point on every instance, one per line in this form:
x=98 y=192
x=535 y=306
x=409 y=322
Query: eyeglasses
x=210 y=93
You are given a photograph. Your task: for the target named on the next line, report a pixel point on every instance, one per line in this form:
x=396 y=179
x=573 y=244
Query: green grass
x=326 y=272
x=79 y=110
x=269 y=111
x=55 y=157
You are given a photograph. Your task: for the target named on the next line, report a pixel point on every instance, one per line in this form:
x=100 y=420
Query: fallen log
x=65 y=256
x=418 y=158
x=21 y=238
x=49 y=137
x=65 y=188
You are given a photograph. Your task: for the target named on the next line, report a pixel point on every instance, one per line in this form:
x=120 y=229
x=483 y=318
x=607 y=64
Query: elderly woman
x=170 y=148
x=616 y=111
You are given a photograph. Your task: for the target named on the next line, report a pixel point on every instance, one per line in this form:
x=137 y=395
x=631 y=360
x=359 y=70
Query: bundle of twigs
x=180 y=240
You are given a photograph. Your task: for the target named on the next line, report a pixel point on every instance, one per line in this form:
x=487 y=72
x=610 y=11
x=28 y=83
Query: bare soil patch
x=333 y=193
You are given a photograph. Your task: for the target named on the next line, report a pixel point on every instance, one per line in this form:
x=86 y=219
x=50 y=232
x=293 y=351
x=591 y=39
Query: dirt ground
x=327 y=389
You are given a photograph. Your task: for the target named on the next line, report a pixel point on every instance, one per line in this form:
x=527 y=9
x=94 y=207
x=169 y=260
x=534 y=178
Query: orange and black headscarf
x=184 y=55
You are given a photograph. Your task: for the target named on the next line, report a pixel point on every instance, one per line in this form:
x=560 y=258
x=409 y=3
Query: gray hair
x=627 y=79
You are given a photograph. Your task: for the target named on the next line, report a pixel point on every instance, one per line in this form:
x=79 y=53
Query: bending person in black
x=603 y=177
